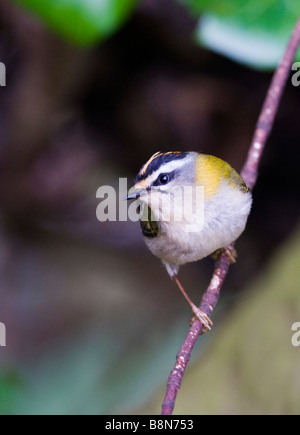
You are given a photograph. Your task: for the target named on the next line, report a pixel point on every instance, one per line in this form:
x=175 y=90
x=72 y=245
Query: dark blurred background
x=93 y=321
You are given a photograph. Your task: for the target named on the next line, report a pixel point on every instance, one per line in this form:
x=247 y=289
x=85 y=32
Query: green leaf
x=255 y=49
x=252 y=32
x=83 y=22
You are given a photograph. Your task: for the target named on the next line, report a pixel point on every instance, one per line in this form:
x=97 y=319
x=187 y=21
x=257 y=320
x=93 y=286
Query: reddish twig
x=249 y=173
x=209 y=301
x=268 y=113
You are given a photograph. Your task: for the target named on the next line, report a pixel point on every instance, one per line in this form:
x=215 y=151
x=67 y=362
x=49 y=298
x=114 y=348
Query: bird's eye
x=164 y=179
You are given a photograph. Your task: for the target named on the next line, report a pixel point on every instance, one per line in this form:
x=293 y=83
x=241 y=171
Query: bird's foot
x=203 y=318
x=230 y=251
x=199 y=314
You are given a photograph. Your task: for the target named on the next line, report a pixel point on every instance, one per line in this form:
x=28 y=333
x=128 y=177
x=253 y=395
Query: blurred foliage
x=93 y=321
x=250 y=31
x=95 y=376
x=84 y=22
x=11 y=388
x=251 y=366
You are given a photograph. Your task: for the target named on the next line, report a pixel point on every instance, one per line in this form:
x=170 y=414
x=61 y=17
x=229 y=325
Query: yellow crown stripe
x=144 y=169
x=155 y=156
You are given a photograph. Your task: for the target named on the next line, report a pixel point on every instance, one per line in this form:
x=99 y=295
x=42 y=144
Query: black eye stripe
x=159 y=161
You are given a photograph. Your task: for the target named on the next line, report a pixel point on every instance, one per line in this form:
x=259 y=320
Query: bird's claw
x=203 y=319
x=230 y=251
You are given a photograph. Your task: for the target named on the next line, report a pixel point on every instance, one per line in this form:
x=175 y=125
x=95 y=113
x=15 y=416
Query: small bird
x=192 y=205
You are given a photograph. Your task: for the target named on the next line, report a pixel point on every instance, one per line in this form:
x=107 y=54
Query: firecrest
x=192 y=205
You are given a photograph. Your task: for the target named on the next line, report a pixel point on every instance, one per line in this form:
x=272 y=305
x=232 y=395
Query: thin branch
x=249 y=173
x=270 y=108
x=209 y=301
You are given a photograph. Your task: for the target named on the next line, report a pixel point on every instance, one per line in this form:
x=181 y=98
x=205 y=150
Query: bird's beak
x=135 y=193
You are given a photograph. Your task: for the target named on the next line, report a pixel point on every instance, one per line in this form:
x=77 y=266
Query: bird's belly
x=189 y=248
x=177 y=246
x=224 y=220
